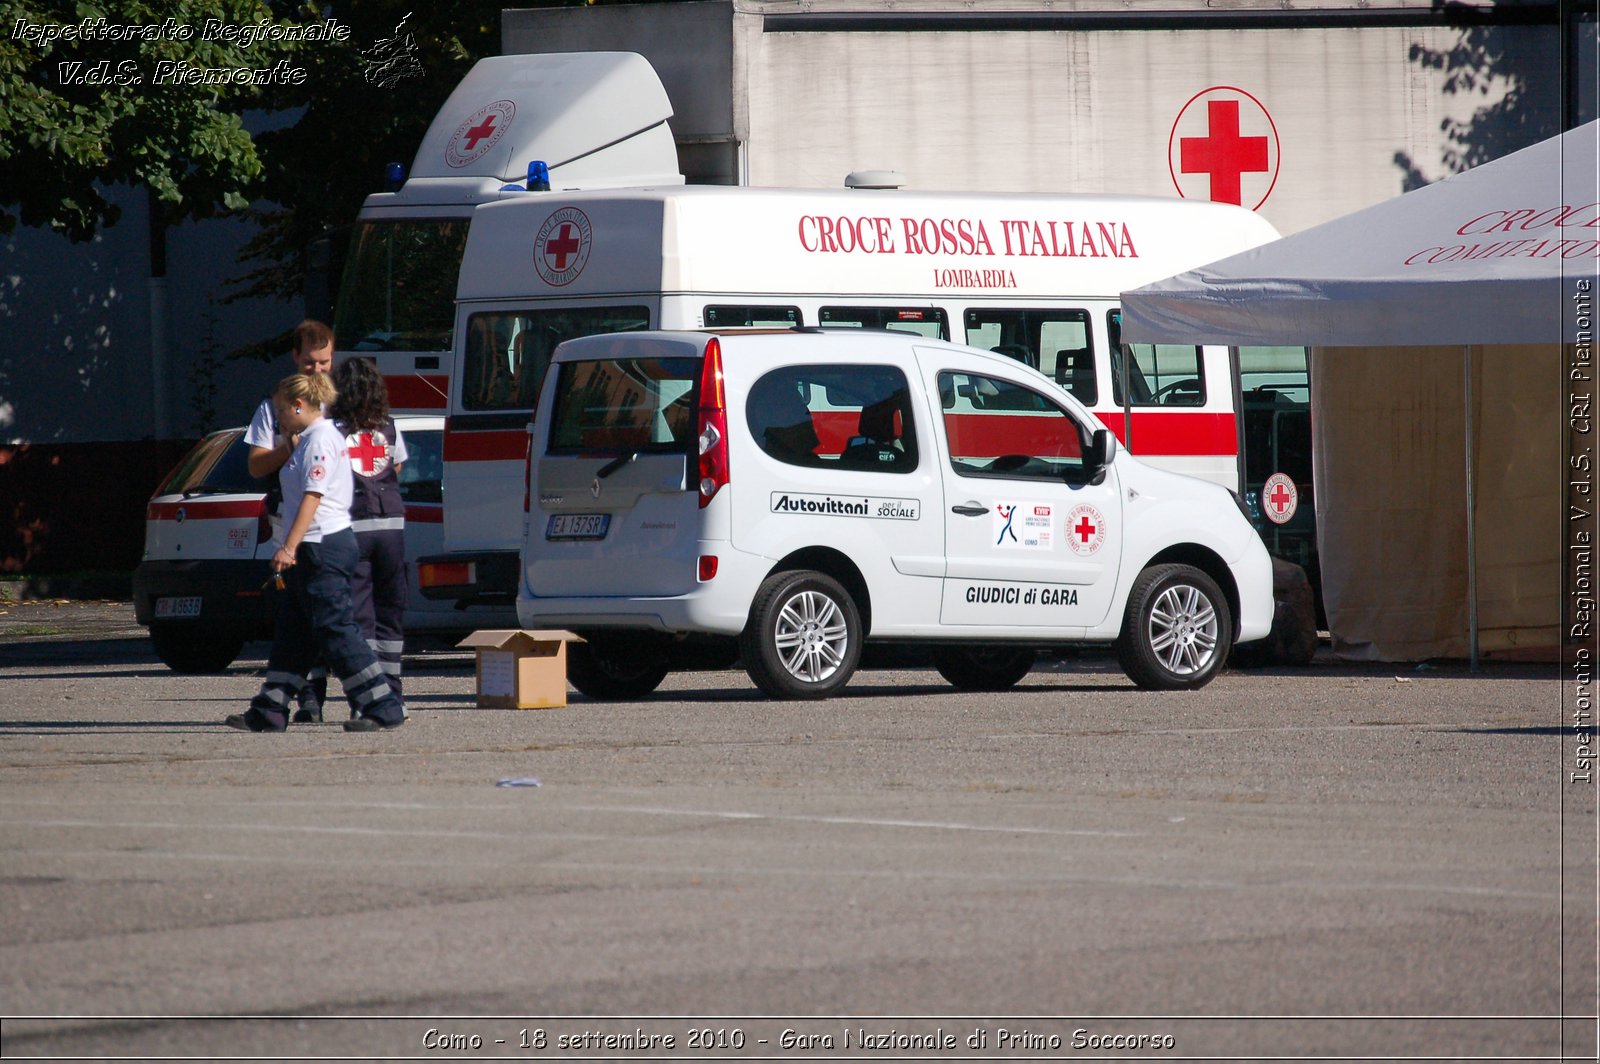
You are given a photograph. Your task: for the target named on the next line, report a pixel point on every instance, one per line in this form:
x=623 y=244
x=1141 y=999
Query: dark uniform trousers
x=379 y=591
x=319 y=616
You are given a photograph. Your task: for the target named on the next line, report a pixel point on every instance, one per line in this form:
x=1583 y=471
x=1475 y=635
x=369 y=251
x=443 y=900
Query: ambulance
x=588 y=119
x=1034 y=278
x=807 y=490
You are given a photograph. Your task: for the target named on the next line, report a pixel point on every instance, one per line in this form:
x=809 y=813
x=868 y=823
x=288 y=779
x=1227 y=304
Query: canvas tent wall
x=1452 y=352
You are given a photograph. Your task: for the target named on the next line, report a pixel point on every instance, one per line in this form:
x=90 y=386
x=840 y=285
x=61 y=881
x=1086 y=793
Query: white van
x=806 y=490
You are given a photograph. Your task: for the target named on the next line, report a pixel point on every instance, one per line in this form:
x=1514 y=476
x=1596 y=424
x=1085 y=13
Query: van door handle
x=970 y=509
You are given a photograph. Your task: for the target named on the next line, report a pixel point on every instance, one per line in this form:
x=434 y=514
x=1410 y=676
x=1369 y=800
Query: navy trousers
x=319 y=616
x=379 y=592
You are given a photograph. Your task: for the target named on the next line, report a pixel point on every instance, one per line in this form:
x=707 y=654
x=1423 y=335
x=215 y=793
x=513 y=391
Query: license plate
x=578 y=526
x=188 y=606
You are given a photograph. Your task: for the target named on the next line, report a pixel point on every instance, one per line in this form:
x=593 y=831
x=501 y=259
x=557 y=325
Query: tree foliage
x=94 y=106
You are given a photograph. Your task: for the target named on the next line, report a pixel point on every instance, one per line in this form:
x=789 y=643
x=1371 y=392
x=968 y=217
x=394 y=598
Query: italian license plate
x=187 y=606
x=578 y=526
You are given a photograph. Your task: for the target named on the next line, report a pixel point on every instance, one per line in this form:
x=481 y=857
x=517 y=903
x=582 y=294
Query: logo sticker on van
x=793 y=502
x=1086 y=529
x=1023 y=525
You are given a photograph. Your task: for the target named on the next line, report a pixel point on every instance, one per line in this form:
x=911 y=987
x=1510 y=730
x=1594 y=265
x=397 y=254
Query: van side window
x=1158 y=374
x=997 y=428
x=922 y=321
x=1057 y=343
x=507 y=353
x=835 y=417
x=755 y=317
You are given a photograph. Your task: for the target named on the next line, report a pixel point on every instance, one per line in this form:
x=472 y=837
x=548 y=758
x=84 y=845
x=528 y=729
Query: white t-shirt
x=263 y=427
x=320 y=464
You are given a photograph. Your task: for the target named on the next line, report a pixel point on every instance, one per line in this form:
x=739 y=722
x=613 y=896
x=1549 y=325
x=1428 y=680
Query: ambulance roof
x=841 y=242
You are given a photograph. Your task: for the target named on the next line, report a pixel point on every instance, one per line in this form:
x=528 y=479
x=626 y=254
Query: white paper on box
x=498 y=673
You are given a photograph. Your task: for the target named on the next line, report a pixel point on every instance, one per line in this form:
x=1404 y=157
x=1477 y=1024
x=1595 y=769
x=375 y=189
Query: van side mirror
x=1097 y=456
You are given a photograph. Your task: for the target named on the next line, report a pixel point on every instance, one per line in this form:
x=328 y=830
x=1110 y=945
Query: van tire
x=1177 y=630
x=603 y=670
x=794 y=611
x=983 y=668
x=192 y=649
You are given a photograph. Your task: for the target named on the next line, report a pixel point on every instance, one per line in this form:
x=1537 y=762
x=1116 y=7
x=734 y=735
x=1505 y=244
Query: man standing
x=270 y=449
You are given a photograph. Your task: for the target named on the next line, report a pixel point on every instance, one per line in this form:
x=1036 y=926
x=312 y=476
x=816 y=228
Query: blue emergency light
x=538 y=176
x=394 y=176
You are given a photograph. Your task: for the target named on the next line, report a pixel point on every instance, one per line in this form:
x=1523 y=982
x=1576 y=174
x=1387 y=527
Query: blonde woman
x=316 y=559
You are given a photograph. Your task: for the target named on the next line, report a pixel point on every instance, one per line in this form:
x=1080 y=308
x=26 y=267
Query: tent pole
x=1472 y=547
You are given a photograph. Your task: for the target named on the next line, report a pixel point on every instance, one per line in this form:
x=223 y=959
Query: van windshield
x=625 y=404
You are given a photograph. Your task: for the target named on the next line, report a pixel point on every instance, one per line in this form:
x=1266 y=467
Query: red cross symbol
x=1084 y=528
x=1279 y=498
x=367 y=451
x=482 y=130
x=562 y=245
x=1223 y=153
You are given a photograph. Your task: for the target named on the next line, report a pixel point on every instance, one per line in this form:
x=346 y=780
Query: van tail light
x=707 y=568
x=713 y=435
x=263 y=525
x=446 y=574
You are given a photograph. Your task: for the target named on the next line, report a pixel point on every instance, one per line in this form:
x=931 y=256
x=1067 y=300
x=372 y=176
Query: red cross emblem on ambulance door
x=369 y=453
x=479 y=132
x=1224 y=148
x=1086 y=529
x=562 y=247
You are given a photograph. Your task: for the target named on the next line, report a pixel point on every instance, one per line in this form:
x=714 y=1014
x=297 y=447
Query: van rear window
x=644 y=404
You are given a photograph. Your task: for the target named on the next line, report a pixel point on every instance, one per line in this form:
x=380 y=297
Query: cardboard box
x=521 y=669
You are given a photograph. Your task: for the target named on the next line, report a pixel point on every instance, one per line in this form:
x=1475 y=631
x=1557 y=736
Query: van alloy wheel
x=1177 y=630
x=804 y=636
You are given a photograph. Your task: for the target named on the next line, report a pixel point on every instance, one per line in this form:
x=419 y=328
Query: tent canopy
x=1493 y=255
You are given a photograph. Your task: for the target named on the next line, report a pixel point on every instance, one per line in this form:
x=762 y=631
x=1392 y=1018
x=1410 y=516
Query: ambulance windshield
x=399 y=286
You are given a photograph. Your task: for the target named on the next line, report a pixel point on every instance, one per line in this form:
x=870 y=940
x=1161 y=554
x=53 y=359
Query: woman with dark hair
x=379 y=587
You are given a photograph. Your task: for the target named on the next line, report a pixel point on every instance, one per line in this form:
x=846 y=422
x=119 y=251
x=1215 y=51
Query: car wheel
x=1177 y=630
x=981 y=668
x=190 y=648
x=605 y=669
x=804 y=636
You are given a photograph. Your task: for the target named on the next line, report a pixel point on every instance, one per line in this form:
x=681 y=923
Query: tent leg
x=1472 y=547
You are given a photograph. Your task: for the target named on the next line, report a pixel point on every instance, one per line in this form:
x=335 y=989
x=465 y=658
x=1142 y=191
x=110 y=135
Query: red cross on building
x=1280 y=498
x=1084 y=528
x=562 y=244
x=480 y=131
x=1223 y=153
x=368 y=451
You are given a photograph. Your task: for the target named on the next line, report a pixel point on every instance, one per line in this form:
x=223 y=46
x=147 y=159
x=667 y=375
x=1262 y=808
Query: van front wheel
x=1177 y=630
x=804 y=636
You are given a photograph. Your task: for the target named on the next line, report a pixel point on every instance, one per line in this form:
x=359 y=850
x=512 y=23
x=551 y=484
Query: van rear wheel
x=983 y=668
x=803 y=640
x=1177 y=630
x=608 y=670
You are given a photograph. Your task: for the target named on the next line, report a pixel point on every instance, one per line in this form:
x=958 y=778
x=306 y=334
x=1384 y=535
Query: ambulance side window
x=835 y=417
x=996 y=428
x=755 y=317
x=422 y=477
x=920 y=321
x=1055 y=342
x=507 y=353
x=1158 y=374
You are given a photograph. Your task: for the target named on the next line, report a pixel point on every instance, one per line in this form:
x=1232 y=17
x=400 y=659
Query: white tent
x=1452 y=333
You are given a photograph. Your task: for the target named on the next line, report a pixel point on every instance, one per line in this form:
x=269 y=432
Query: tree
x=142 y=96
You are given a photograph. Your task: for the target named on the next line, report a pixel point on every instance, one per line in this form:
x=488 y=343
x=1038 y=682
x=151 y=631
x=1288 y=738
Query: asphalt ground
x=1336 y=862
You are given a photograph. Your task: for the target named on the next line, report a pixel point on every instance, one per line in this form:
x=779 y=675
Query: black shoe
x=254 y=719
x=308 y=715
x=371 y=724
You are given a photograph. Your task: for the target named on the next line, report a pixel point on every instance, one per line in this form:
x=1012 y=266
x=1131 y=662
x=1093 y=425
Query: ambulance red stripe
x=418 y=391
